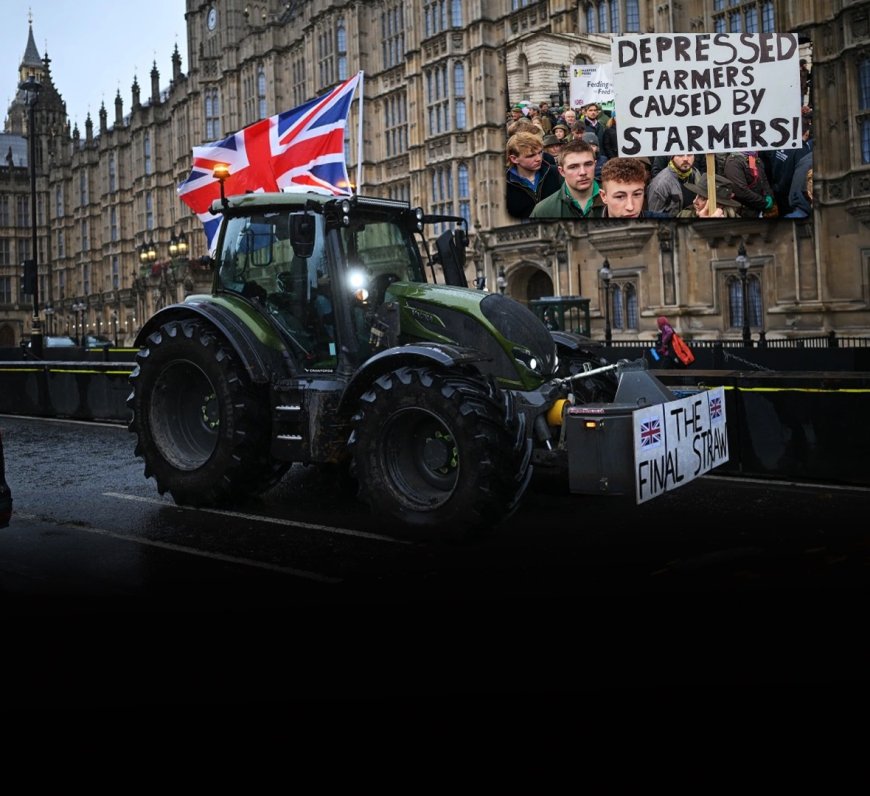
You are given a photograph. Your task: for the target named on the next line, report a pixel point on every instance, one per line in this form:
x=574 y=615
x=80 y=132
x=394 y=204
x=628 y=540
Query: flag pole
x=359 y=134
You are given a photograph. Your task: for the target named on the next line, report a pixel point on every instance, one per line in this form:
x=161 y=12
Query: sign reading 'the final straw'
x=677 y=441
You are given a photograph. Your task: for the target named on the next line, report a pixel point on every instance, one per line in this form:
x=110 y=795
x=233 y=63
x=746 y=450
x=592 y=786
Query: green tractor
x=322 y=342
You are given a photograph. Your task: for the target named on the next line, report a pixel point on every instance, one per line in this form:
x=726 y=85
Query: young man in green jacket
x=578 y=197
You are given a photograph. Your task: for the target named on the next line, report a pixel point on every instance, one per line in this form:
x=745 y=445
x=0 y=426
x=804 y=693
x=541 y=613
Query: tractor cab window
x=278 y=260
x=379 y=253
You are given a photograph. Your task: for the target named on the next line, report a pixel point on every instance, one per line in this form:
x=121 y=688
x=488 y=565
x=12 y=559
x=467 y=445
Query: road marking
x=742 y=479
x=261 y=518
x=248 y=562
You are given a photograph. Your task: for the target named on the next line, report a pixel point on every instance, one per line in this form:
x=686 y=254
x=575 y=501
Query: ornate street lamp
x=79 y=308
x=605 y=274
x=31 y=88
x=564 y=86
x=501 y=280
x=147 y=253
x=743 y=267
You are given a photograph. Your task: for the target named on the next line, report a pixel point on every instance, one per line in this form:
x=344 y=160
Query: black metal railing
x=831 y=340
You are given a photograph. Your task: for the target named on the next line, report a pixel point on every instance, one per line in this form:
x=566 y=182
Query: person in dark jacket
x=751 y=188
x=592 y=124
x=800 y=196
x=780 y=166
x=530 y=177
x=611 y=148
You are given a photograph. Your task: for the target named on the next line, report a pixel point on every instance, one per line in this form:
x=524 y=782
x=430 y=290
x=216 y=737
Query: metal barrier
x=79 y=390
x=798 y=425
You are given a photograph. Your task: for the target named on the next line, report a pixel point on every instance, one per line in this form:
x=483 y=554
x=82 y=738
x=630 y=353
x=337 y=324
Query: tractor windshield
x=379 y=252
x=279 y=261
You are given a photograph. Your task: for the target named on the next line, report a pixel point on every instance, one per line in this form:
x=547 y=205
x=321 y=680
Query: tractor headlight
x=528 y=359
x=358 y=282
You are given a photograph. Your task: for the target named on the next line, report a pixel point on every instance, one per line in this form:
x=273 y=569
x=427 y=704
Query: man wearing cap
x=726 y=207
x=561 y=131
x=552 y=145
x=578 y=197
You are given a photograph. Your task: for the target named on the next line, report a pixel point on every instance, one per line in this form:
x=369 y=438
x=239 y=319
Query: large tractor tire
x=446 y=454
x=202 y=427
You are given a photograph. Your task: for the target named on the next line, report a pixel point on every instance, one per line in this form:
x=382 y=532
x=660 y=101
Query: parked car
x=96 y=341
x=54 y=341
x=5 y=492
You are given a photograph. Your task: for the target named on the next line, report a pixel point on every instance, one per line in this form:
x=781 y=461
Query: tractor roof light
x=221 y=173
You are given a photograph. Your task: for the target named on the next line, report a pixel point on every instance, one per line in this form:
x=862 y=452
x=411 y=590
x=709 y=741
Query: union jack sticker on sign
x=650 y=433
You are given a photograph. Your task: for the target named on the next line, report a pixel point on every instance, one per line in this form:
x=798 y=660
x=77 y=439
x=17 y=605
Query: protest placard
x=678 y=441
x=591 y=83
x=700 y=92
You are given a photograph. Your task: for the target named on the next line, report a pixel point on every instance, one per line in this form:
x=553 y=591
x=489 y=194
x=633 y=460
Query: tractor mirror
x=302 y=234
x=450 y=246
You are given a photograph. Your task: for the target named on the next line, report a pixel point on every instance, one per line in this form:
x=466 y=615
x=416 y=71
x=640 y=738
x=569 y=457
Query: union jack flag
x=715 y=408
x=300 y=147
x=650 y=433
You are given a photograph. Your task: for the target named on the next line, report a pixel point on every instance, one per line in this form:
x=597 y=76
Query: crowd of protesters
x=565 y=164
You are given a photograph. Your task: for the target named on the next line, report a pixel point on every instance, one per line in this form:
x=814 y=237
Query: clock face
x=211 y=19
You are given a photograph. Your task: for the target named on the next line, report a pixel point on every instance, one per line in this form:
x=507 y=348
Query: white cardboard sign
x=591 y=83
x=696 y=93
x=677 y=441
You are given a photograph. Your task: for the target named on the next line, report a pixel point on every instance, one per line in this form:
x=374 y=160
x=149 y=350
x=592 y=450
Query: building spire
x=31 y=54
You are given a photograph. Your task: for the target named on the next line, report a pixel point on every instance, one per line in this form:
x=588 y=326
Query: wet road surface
x=112 y=595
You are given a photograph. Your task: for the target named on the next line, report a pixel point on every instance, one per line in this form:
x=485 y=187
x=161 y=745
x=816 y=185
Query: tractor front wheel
x=443 y=453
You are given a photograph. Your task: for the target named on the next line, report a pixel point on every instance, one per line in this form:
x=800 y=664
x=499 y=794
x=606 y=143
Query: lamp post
x=605 y=275
x=115 y=327
x=501 y=280
x=178 y=249
x=49 y=319
x=743 y=267
x=31 y=88
x=564 y=86
x=79 y=307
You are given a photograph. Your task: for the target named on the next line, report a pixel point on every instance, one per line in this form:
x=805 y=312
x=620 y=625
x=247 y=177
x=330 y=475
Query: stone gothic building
x=114 y=242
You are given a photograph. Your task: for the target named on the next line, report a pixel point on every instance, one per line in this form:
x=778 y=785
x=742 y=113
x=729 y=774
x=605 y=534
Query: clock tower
x=215 y=28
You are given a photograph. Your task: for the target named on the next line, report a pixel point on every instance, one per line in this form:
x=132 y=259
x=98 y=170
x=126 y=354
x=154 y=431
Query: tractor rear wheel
x=444 y=453
x=202 y=427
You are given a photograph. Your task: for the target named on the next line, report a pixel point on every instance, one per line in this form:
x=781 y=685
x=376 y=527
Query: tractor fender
x=441 y=355
x=259 y=360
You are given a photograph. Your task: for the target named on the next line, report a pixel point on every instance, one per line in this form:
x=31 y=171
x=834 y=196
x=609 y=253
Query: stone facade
x=439 y=77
